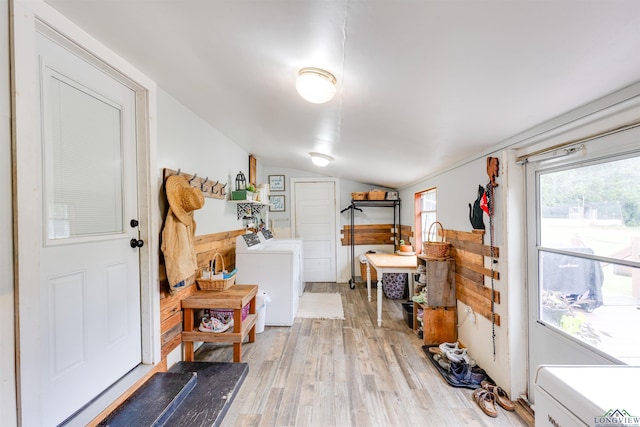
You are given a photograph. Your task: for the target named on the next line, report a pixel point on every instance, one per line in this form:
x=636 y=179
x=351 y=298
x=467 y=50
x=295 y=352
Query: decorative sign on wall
x=276 y=183
x=276 y=203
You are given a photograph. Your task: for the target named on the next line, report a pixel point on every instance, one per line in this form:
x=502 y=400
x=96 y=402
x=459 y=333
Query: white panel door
x=88 y=313
x=315 y=223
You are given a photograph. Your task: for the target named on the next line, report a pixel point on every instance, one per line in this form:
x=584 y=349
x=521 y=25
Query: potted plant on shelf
x=251 y=192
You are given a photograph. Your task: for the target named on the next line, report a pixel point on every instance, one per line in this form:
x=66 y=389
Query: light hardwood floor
x=347 y=373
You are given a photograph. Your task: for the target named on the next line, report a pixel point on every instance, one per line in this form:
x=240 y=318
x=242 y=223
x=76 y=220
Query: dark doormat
x=477 y=374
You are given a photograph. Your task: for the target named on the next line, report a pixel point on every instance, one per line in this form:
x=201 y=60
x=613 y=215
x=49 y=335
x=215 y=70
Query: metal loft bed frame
x=356 y=205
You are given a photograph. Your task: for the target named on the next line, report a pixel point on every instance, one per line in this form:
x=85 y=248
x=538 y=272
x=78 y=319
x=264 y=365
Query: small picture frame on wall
x=276 y=203
x=276 y=182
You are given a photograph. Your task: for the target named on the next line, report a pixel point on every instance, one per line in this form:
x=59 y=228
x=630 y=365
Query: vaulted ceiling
x=421 y=84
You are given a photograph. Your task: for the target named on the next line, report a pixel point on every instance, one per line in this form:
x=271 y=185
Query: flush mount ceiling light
x=320 y=159
x=316 y=85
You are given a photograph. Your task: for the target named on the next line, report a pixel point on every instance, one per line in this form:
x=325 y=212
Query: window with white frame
x=425 y=210
x=588 y=252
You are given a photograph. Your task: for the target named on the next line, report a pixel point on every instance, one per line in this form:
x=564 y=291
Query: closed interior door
x=88 y=313
x=315 y=223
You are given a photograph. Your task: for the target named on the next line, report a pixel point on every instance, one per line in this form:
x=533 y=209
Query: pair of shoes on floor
x=213 y=325
x=502 y=398
x=463 y=373
x=459 y=372
x=489 y=395
x=486 y=401
x=456 y=354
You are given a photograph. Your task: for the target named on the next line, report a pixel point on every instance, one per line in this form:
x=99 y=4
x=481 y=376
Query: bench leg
x=188 y=326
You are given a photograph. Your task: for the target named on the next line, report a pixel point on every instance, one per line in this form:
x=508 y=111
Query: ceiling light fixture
x=316 y=85
x=320 y=159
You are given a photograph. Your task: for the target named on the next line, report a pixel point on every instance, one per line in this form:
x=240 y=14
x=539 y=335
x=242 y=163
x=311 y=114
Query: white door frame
x=27 y=16
x=294 y=232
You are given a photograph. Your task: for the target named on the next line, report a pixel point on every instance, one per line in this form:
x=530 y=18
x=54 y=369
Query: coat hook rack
x=209 y=188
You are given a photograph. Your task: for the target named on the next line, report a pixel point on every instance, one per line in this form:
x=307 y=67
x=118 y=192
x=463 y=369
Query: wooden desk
x=389 y=263
x=235 y=298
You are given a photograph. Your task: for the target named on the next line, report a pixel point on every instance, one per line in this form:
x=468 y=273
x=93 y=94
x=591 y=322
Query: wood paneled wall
x=170 y=310
x=469 y=252
x=374 y=234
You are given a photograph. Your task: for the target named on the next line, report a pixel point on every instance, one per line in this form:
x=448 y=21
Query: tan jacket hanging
x=179 y=230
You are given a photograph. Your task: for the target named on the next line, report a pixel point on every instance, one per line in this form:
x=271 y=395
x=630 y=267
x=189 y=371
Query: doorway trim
x=26 y=18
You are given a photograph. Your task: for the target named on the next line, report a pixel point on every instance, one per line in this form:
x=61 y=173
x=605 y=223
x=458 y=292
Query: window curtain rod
x=569 y=147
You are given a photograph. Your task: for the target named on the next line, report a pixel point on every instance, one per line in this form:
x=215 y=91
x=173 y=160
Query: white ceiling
x=422 y=84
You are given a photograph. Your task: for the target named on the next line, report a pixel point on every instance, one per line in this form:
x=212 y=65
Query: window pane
x=428 y=218
x=427 y=212
x=84 y=169
x=594 y=302
x=428 y=199
x=595 y=207
x=592 y=215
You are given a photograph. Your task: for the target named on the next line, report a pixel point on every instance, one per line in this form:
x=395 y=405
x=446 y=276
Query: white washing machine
x=267 y=237
x=580 y=396
x=276 y=269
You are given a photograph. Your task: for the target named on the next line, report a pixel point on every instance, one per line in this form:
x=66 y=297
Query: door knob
x=134 y=223
x=135 y=243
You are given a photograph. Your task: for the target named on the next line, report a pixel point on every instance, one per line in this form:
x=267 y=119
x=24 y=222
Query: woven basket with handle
x=215 y=284
x=435 y=249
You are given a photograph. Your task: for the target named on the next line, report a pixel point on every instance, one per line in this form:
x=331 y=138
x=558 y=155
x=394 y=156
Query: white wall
x=187 y=142
x=280 y=222
x=455 y=190
x=7 y=361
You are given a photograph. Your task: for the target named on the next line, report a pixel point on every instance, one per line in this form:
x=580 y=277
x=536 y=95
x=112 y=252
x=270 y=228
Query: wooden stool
x=235 y=298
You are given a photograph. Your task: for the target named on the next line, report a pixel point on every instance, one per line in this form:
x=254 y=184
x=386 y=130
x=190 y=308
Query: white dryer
x=267 y=237
x=572 y=395
x=276 y=269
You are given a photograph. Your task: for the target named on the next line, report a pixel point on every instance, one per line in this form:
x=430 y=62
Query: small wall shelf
x=248 y=207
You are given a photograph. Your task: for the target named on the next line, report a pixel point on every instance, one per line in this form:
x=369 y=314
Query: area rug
x=448 y=377
x=317 y=305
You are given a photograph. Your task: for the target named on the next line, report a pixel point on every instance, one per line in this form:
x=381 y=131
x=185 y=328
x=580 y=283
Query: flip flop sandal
x=501 y=396
x=487 y=401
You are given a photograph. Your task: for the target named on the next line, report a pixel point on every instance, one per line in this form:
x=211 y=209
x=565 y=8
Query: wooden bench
x=234 y=298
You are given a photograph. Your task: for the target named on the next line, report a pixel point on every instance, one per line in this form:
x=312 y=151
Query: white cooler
x=594 y=396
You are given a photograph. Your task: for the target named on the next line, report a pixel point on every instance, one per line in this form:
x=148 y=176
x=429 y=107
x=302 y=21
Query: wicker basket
x=215 y=284
x=377 y=195
x=359 y=196
x=436 y=250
